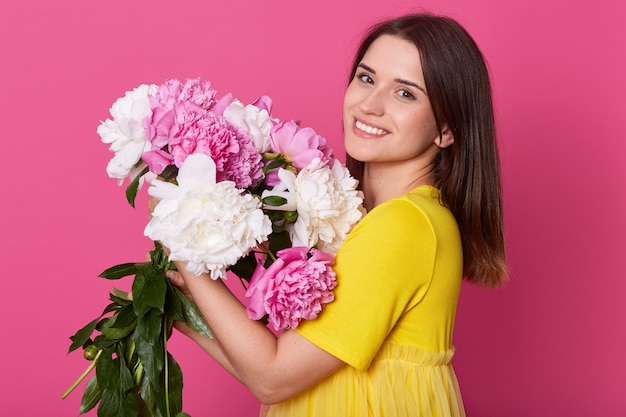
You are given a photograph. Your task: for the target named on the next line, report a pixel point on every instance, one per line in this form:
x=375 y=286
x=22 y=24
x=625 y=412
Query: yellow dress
x=399 y=276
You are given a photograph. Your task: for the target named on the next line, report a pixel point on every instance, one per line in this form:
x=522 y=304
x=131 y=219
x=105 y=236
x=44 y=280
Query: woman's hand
x=152 y=203
x=177 y=280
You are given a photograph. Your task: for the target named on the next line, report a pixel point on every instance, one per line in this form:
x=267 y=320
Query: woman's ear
x=445 y=139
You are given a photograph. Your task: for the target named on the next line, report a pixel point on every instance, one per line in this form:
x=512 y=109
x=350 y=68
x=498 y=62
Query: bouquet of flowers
x=239 y=191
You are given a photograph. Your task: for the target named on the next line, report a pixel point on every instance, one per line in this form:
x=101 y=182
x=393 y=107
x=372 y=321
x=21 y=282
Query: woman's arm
x=273 y=368
x=210 y=346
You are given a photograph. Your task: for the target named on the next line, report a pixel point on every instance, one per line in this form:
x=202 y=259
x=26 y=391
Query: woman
x=419 y=133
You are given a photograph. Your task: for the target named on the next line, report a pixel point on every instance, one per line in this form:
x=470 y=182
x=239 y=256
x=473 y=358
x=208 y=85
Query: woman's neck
x=382 y=183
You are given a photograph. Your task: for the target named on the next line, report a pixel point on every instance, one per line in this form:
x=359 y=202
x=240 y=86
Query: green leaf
x=120 y=271
x=192 y=315
x=278 y=162
x=118 y=404
x=149 y=288
x=131 y=190
x=91 y=396
x=181 y=414
x=159 y=259
x=159 y=399
x=102 y=342
x=291 y=216
x=148 y=344
x=124 y=317
x=116 y=383
x=274 y=201
x=106 y=371
x=147 y=398
x=83 y=335
x=120 y=293
x=111 y=307
x=126 y=381
x=121 y=324
x=245 y=266
x=118 y=302
x=173 y=305
x=169 y=173
x=102 y=323
x=278 y=241
x=175 y=385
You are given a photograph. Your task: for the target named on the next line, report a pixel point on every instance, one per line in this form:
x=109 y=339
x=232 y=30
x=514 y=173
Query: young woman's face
x=387 y=114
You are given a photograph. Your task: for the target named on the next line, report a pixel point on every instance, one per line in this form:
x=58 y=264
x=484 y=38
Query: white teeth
x=369 y=129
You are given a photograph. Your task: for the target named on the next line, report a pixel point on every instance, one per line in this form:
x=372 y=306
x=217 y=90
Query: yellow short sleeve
x=384 y=269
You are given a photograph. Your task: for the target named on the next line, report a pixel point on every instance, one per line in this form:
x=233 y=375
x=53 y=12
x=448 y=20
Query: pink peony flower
x=295 y=287
x=193 y=92
x=263 y=103
x=233 y=151
x=222 y=103
x=299 y=146
x=257 y=289
x=184 y=122
x=157 y=160
x=254 y=121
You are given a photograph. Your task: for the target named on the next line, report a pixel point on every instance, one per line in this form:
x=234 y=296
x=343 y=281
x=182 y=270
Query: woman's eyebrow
x=411 y=83
x=366 y=68
x=398 y=80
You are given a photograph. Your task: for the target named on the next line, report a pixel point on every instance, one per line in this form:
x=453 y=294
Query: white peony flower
x=284 y=189
x=207 y=224
x=255 y=121
x=125 y=133
x=327 y=202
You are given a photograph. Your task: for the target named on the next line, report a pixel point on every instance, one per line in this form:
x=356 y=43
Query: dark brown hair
x=467 y=173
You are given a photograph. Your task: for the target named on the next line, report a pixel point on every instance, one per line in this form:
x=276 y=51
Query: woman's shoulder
x=423 y=199
x=417 y=212
x=399 y=215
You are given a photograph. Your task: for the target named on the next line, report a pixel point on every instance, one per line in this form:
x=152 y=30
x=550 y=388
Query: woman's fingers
x=177 y=280
x=175 y=277
x=152 y=203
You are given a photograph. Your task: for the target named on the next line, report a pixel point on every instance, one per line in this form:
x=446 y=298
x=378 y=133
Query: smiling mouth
x=369 y=129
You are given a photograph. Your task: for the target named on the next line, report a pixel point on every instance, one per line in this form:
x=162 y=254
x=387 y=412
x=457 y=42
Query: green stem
x=83 y=375
x=162 y=261
x=138 y=374
x=267 y=250
x=166 y=368
x=243 y=282
x=130 y=352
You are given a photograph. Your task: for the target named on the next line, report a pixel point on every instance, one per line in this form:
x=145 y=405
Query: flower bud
x=291 y=216
x=90 y=352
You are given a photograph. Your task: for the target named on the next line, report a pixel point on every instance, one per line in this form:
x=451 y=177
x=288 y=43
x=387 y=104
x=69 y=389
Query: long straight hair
x=467 y=173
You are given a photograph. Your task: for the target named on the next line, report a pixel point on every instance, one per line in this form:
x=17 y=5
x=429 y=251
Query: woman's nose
x=373 y=102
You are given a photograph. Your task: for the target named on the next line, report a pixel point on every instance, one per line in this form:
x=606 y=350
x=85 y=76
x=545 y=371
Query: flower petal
x=197 y=172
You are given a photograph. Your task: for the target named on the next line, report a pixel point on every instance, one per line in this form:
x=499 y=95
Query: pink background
x=550 y=343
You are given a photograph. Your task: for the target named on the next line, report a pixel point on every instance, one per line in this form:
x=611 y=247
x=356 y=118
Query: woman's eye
x=406 y=94
x=365 y=78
